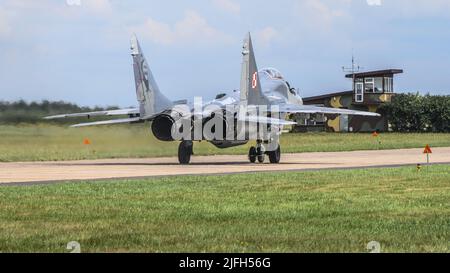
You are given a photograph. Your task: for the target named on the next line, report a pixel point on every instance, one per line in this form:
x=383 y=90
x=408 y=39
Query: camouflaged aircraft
x=266 y=92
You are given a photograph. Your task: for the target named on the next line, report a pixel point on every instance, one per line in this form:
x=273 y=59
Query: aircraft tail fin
x=151 y=100
x=251 y=92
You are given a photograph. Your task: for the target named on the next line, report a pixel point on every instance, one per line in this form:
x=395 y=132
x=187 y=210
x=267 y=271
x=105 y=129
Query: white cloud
x=412 y=8
x=91 y=7
x=97 y=6
x=5 y=27
x=228 y=6
x=192 y=29
x=374 y=2
x=321 y=14
x=67 y=9
x=158 y=32
x=266 y=35
x=73 y=2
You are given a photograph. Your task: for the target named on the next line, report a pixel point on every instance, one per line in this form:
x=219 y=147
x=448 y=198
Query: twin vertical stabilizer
x=251 y=92
x=151 y=100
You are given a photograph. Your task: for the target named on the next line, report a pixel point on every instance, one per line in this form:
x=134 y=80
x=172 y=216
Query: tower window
x=379 y=85
x=369 y=86
x=389 y=85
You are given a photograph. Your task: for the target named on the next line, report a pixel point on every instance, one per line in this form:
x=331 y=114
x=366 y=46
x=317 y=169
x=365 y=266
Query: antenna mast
x=354 y=69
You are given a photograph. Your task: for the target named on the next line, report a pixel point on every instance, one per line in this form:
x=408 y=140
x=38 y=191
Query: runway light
x=375 y=134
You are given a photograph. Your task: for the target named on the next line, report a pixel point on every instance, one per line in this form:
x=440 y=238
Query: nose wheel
x=256 y=154
x=185 y=150
x=259 y=153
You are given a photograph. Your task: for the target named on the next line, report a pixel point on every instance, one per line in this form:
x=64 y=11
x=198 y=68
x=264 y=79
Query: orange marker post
x=428 y=151
x=86 y=141
x=376 y=135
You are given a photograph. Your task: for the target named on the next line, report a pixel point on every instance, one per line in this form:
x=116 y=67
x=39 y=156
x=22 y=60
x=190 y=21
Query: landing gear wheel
x=252 y=155
x=275 y=156
x=185 y=150
x=261 y=156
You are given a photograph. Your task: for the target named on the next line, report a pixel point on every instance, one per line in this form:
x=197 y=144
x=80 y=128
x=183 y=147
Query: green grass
x=50 y=142
x=327 y=211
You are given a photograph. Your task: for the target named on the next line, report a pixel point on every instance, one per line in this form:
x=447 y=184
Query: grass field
x=327 y=211
x=49 y=142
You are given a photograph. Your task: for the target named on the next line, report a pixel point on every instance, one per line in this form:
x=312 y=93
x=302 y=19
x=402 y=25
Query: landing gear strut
x=185 y=150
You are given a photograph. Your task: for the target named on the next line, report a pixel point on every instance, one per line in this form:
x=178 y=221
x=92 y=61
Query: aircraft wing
x=309 y=109
x=267 y=120
x=109 y=122
x=130 y=111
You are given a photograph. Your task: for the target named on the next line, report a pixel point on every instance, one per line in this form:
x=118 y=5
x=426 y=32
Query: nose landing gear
x=259 y=153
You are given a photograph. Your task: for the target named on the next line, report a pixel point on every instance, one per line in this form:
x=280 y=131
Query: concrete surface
x=47 y=172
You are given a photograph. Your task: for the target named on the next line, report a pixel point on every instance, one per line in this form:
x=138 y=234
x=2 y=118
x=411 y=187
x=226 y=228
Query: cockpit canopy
x=272 y=73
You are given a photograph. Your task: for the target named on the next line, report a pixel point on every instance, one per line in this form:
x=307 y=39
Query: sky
x=79 y=50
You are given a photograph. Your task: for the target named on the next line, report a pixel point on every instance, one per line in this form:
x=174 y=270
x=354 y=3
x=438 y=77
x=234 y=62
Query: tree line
x=33 y=112
x=418 y=113
x=405 y=113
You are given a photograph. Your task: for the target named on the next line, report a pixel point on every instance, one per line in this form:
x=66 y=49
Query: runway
x=50 y=172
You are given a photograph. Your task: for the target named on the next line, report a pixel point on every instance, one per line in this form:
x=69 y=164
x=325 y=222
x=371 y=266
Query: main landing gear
x=259 y=153
x=185 y=150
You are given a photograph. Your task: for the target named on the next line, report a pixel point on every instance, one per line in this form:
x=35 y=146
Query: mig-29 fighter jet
x=257 y=111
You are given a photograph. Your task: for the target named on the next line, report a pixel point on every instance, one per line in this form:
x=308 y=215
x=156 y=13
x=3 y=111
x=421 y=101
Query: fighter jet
x=256 y=112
